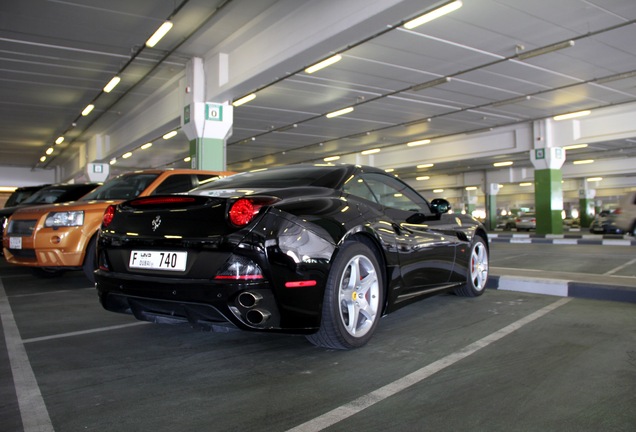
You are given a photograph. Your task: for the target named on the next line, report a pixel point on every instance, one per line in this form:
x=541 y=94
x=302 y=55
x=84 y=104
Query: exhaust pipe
x=249 y=299
x=257 y=316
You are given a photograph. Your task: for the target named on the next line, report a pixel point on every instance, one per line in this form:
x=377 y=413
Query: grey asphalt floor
x=510 y=360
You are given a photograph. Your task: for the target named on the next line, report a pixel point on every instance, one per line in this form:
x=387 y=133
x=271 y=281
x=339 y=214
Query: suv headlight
x=64 y=219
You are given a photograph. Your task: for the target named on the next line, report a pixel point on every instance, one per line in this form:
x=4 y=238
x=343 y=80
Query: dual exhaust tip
x=254 y=316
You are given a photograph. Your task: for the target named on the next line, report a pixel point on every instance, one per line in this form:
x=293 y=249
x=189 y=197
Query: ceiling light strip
x=434 y=14
x=323 y=64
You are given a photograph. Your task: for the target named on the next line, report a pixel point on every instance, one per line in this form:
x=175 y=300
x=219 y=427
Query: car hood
x=68 y=206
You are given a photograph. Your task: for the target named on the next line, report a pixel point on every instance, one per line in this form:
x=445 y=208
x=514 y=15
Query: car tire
x=353 y=299
x=90 y=261
x=477 y=271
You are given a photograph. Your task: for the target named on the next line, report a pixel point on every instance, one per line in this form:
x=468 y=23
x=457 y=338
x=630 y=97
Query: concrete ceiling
x=56 y=55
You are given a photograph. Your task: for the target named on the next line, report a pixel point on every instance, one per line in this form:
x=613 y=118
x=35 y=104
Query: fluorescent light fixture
x=331 y=158
x=421 y=178
x=616 y=77
x=339 y=112
x=434 y=14
x=159 y=34
x=471 y=188
x=126 y=155
x=438 y=190
x=428 y=165
x=49 y=150
x=525 y=184
x=7 y=189
x=574 y=146
x=170 y=135
x=323 y=64
x=418 y=143
x=113 y=161
x=371 y=151
x=187 y=159
x=433 y=83
x=147 y=145
x=511 y=101
x=389 y=170
x=503 y=164
x=59 y=140
x=572 y=115
x=594 y=179
x=583 y=162
x=43 y=158
x=244 y=100
x=545 y=50
x=112 y=84
x=88 y=109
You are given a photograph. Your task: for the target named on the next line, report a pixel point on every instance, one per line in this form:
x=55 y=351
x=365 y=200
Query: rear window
x=281 y=178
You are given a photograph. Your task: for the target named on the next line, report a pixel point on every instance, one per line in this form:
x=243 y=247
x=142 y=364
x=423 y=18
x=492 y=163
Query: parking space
x=503 y=361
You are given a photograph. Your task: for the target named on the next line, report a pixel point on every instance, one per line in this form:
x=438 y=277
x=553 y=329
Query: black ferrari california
x=320 y=250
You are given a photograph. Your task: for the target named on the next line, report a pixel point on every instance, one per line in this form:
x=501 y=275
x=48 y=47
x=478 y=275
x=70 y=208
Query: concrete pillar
x=586 y=205
x=207 y=125
x=491 y=206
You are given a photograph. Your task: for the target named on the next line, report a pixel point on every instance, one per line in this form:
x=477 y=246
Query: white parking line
x=83 y=332
x=354 y=407
x=619 y=268
x=35 y=416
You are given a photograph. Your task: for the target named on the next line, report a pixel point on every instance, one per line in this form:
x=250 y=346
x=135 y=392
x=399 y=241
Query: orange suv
x=59 y=237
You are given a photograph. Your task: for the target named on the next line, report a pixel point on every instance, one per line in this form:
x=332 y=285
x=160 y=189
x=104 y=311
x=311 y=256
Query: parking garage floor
x=520 y=357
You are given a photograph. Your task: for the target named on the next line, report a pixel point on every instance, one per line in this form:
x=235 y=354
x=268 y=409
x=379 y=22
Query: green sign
x=539 y=154
x=186 y=114
x=213 y=112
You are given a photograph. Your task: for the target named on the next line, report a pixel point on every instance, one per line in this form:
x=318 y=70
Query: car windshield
x=296 y=176
x=124 y=187
x=47 y=195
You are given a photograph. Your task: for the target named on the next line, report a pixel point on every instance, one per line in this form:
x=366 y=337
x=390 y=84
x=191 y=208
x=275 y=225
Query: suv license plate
x=15 y=242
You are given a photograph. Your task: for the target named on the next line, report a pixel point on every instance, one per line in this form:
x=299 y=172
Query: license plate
x=15 y=242
x=158 y=260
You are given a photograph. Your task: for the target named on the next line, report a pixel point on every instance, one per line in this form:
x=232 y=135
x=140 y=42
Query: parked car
x=48 y=195
x=526 y=222
x=605 y=223
x=22 y=193
x=57 y=237
x=323 y=251
x=626 y=213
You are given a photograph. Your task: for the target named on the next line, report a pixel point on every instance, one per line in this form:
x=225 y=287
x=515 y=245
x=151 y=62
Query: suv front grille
x=22 y=227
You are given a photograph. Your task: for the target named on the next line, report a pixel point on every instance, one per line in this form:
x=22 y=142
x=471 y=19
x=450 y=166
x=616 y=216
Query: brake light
x=243 y=210
x=161 y=200
x=109 y=214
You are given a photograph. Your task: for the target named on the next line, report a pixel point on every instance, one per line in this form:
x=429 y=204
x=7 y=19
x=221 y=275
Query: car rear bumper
x=203 y=303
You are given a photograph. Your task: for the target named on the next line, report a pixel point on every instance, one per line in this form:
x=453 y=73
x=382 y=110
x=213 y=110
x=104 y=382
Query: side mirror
x=440 y=206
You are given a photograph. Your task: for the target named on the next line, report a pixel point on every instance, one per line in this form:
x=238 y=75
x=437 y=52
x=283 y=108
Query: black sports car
x=318 y=250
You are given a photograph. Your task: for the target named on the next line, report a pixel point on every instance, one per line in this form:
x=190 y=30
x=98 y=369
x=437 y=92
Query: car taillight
x=109 y=214
x=239 y=268
x=518 y=220
x=243 y=210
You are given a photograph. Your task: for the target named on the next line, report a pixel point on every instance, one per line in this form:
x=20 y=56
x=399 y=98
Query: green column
x=548 y=196
x=491 y=211
x=208 y=153
x=587 y=212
